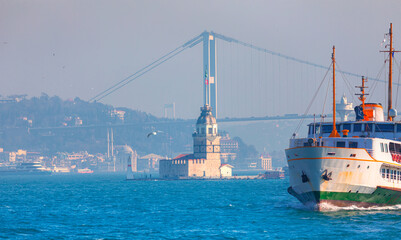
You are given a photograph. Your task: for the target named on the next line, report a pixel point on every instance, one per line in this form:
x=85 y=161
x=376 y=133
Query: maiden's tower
x=205 y=160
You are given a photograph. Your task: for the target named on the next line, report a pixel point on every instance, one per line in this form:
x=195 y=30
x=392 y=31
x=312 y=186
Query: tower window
x=210 y=130
x=203 y=130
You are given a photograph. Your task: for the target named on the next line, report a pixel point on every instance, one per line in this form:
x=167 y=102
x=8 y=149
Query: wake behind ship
x=361 y=167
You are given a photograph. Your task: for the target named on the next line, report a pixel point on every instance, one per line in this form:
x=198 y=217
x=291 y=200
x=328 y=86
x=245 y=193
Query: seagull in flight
x=154 y=133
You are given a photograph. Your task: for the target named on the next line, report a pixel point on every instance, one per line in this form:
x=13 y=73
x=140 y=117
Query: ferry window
x=383 y=172
x=369 y=127
x=388 y=173
x=386 y=148
x=357 y=127
x=398 y=148
x=311 y=129
x=347 y=126
x=341 y=144
x=353 y=144
x=392 y=147
x=327 y=128
x=382 y=147
x=398 y=127
x=384 y=128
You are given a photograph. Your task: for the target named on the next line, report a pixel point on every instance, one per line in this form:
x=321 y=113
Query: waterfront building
x=229 y=149
x=124 y=152
x=205 y=161
x=149 y=162
x=266 y=162
x=226 y=170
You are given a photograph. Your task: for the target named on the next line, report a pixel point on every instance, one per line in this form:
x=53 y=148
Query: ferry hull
x=338 y=176
x=380 y=197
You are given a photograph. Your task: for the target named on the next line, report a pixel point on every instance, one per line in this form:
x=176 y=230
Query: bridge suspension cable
x=229 y=39
x=191 y=43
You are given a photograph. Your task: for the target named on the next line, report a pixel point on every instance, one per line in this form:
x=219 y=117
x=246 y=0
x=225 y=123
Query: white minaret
x=344 y=108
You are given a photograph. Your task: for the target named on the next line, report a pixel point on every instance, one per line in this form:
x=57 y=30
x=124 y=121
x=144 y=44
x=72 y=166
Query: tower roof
x=206 y=116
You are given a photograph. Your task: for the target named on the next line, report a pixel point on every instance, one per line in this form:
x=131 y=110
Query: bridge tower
x=210 y=71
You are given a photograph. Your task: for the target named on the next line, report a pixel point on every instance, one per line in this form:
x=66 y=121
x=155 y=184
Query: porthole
x=368 y=167
x=347 y=165
x=357 y=191
x=359 y=166
x=349 y=191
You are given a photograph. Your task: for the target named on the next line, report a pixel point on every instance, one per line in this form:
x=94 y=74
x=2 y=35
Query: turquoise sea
x=108 y=207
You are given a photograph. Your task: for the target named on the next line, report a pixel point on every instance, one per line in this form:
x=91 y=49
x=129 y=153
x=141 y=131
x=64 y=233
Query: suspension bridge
x=241 y=81
x=245 y=82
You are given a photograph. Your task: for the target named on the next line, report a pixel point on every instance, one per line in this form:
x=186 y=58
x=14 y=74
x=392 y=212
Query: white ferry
x=27 y=168
x=361 y=167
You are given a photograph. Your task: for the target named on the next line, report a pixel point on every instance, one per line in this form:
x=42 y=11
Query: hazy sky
x=79 y=48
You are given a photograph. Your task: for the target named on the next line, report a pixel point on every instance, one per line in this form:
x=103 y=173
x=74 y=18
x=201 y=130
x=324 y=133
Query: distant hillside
x=45 y=111
x=67 y=127
x=49 y=125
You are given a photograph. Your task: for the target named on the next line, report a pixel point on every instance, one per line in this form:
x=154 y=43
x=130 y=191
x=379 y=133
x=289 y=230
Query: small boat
x=85 y=171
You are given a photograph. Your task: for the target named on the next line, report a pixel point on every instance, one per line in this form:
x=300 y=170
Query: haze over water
x=108 y=207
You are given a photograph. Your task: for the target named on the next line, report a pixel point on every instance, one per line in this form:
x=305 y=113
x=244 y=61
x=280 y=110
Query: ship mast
x=390 y=74
x=334 y=133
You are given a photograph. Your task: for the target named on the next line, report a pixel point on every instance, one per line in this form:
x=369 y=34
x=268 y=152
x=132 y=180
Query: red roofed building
x=205 y=161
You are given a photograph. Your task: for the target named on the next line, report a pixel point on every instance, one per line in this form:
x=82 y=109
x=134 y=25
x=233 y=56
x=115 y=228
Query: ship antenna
x=390 y=74
x=362 y=95
x=334 y=133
